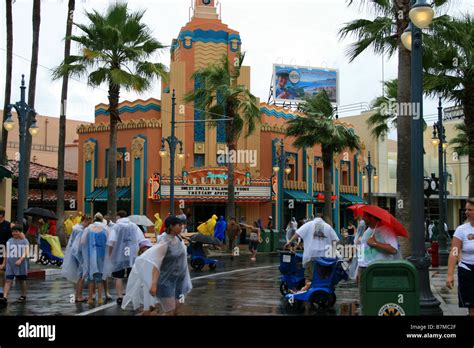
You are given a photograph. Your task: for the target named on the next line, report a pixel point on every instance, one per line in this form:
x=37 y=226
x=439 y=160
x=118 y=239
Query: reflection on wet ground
x=238 y=287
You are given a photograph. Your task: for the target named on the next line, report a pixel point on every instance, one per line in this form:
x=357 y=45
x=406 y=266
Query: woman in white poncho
x=161 y=274
x=73 y=259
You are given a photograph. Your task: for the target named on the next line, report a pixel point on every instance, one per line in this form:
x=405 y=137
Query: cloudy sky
x=299 y=32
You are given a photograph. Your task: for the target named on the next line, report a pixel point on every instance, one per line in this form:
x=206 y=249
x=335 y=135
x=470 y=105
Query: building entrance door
x=204 y=211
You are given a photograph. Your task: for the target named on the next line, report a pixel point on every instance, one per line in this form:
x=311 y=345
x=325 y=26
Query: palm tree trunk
x=32 y=88
x=403 y=129
x=469 y=121
x=232 y=146
x=8 y=78
x=327 y=162
x=62 y=129
x=114 y=93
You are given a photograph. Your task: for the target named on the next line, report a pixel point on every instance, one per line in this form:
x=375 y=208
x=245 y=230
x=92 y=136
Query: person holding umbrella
x=379 y=242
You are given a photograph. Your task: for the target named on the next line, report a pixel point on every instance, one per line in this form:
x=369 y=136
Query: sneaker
x=90 y=302
x=100 y=302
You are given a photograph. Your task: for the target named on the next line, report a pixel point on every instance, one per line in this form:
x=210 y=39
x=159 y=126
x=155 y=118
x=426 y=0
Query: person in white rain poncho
x=291 y=228
x=72 y=265
x=161 y=273
x=318 y=238
x=124 y=243
x=94 y=249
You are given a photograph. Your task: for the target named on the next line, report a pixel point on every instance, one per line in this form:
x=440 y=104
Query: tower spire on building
x=205 y=9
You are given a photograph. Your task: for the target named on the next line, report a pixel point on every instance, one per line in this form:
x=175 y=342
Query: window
x=292 y=175
x=345 y=178
x=198 y=160
x=319 y=175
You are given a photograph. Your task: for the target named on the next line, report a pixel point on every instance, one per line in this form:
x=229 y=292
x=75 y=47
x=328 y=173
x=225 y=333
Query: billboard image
x=293 y=83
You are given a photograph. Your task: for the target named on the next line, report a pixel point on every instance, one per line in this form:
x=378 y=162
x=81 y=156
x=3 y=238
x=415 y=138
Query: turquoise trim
x=304 y=164
x=87 y=183
x=356 y=179
x=351 y=199
x=277 y=114
x=130 y=109
x=298 y=196
x=360 y=186
x=136 y=185
x=145 y=171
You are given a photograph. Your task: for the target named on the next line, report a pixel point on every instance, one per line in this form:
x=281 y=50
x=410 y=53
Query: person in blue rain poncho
x=161 y=275
x=72 y=265
x=219 y=229
x=124 y=243
x=94 y=248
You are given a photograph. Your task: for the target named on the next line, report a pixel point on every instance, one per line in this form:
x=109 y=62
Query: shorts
x=96 y=278
x=18 y=277
x=253 y=245
x=466 y=286
x=123 y=273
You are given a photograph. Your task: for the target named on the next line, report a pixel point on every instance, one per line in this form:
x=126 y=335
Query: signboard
x=217 y=192
x=293 y=83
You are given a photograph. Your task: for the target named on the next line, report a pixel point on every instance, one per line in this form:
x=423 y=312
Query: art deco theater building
x=200 y=182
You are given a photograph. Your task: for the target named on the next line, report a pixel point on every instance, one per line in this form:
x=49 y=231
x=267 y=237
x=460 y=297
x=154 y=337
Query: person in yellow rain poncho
x=207 y=227
x=68 y=225
x=158 y=223
x=55 y=245
x=78 y=218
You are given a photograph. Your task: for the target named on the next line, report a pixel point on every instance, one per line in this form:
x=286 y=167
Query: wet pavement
x=236 y=287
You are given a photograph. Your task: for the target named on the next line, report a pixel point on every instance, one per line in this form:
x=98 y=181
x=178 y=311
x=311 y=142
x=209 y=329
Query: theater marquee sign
x=211 y=185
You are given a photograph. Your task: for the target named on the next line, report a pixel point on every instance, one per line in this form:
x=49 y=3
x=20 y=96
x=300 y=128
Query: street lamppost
x=172 y=144
x=368 y=169
x=439 y=139
x=281 y=166
x=23 y=110
x=42 y=179
x=421 y=15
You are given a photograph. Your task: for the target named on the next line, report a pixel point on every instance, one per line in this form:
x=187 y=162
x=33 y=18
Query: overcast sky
x=300 y=32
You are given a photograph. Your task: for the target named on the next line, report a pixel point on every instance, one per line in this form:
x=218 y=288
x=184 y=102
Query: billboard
x=293 y=83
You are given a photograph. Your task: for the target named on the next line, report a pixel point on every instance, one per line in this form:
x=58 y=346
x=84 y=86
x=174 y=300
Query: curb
x=43 y=273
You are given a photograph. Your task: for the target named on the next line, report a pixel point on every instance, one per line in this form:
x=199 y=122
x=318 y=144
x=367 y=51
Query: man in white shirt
x=318 y=238
x=124 y=243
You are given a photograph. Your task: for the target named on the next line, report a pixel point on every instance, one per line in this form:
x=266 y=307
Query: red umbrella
x=356 y=209
x=386 y=218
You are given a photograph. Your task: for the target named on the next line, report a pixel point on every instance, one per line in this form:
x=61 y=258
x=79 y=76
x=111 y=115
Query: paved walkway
x=447 y=297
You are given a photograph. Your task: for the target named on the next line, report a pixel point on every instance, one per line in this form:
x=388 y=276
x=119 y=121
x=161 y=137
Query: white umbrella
x=141 y=220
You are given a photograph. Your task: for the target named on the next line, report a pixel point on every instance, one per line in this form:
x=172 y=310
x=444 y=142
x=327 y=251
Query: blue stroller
x=292 y=272
x=198 y=256
x=327 y=274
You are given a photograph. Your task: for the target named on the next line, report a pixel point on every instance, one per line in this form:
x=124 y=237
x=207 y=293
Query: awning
x=351 y=199
x=298 y=196
x=4 y=172
x=102 y=195
x=91 y=197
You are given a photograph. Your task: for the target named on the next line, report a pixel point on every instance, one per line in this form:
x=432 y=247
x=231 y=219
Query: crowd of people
x=158 y=275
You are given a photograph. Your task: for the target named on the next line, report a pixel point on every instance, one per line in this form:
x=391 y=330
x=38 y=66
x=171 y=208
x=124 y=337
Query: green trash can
x=265 y=245
x=390 y=288
x=274 y=240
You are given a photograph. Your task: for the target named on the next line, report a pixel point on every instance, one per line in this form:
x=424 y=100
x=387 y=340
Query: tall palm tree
x=62 y=126
x=382 y=120
x=383 y=36
x=449 y=69
x=221 y=95
x=114 y=49
x=460 y=142
x=8 y=78
x=32 y=88
x=319 y=126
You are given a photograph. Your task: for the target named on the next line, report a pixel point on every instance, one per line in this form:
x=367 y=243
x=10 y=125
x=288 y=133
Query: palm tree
x=221 y=95
x=319 y=126
x=8 y=78
x=449 y=70
x=114 y=49
x=62 y=126
x=460 y=142
x=383 y=36
x=382 y=120
x=32 y=87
